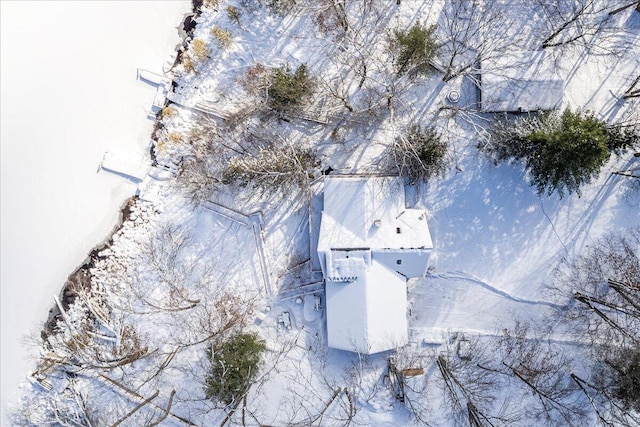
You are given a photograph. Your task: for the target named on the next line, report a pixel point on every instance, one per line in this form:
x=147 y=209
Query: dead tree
x=635 y=3
x=462 y=394
x=607 y=408
x=273 y=167
x=470 y=389
x=605 y=285
x=570 y=20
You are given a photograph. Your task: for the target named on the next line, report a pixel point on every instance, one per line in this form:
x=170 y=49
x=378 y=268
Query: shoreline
x=58 y=213
x=81 y=275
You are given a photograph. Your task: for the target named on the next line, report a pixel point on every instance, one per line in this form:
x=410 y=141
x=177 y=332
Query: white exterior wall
x=414 y=261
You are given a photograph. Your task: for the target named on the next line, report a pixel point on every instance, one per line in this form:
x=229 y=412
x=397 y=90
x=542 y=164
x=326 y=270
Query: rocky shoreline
x=81 y=276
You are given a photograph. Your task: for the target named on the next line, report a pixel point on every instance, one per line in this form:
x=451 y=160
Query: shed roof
x=524 y=81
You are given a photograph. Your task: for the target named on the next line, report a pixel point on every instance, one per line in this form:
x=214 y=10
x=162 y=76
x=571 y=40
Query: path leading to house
x=256 y=223
x=462 y=276
x=458 y=301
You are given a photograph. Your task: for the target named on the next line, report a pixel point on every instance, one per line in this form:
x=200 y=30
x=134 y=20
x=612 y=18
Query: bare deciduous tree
x=605 y=285
x=589 y=24
x=273 y=166
x=541 y=369
x=475 y=34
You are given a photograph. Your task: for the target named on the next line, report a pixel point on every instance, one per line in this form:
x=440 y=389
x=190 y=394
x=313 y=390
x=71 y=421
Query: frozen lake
x=69 y=94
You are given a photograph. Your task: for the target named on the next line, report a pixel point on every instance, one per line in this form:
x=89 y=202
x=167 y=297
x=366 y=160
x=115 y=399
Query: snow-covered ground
x=69 y=94
x=177 y=280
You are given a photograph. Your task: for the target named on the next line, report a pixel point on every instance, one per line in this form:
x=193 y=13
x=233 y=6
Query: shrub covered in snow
x=562 y=151
x=223 y=37
x=234 y=365
x=198 y=52
x=272 y=167
x=419 y=153
x=234 y=14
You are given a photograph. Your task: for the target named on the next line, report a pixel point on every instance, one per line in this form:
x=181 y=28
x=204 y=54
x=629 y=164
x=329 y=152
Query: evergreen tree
x=565 y=157
x=289 y=90
x=414 y=49
x=562 y=151
x=234 y=364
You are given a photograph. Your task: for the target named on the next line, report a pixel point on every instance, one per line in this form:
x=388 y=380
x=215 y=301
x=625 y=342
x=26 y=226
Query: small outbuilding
x=369 y=244
x=521 y=83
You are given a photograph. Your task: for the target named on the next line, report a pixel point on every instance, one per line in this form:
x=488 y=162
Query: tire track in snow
x=461 y=275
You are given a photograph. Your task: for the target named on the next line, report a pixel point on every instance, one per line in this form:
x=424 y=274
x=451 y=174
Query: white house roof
x=369 y=314
x=524 y=81
x=368 y=244
x=370 y=213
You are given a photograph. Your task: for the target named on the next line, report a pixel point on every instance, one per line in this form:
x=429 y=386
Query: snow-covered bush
x=273 y=167
x=419 y=153
x=413 y=49
x=199 y=50
x=234 y=14
x=198 y=53
x=234 y=364
x=562 y=151
x=222 y=37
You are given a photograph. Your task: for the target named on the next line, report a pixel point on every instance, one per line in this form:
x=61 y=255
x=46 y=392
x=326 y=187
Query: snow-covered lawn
x=69 y=94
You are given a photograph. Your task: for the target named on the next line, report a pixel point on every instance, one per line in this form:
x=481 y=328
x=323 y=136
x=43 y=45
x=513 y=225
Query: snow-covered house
x=369 y=244
x=522 y=82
